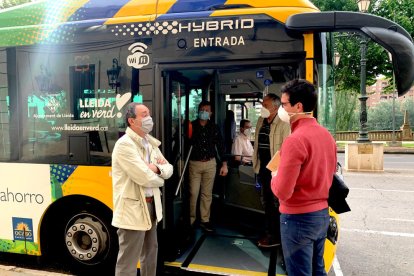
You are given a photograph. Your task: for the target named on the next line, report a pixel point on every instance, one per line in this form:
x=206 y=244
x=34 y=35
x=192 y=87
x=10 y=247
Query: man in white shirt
x=242 y=149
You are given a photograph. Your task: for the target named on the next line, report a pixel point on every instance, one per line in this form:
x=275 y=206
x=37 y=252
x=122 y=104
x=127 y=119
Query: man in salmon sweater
x=302 y=181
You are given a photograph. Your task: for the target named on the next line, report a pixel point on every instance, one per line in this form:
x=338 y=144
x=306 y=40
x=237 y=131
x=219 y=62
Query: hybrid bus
x=67 y=70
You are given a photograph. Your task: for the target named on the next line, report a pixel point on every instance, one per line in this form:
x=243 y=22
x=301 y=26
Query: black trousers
x=270 y=204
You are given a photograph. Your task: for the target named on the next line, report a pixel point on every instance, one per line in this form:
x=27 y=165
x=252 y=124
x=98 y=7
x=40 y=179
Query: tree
x=347 y=44
x=347 y=75
x=399 y=11
x=380 y=116
x=195 y=100
x=408 y=105
x=347 y=117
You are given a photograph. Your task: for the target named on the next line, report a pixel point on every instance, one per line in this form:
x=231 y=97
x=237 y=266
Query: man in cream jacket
x=138 y=171
x=269 y=136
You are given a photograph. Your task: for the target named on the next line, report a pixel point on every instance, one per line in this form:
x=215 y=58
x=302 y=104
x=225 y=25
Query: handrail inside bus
x=183 y=172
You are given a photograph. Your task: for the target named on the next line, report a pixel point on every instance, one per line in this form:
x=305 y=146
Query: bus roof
x=43 y=21
x=115 y=11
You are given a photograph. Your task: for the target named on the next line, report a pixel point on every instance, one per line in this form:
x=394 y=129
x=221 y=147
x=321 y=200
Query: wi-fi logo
x=138 y=59
x=138 y=47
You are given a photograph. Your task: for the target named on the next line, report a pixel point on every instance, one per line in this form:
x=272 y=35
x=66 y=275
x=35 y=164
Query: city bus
x=67 y=71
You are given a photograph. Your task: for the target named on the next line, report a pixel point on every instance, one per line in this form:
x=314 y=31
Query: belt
x=204 y=160
x=149 y=199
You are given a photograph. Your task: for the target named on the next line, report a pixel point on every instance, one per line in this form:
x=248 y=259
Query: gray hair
x=130 y=111
x=275 y=99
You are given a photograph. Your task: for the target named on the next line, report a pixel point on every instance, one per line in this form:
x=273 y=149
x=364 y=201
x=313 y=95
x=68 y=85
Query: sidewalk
x=395 y=150
x=398 y=150
x=17 y=271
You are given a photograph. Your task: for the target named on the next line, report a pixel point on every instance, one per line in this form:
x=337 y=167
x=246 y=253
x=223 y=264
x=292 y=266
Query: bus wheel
x=90 y=242
x=80 y=238
x=86 y=238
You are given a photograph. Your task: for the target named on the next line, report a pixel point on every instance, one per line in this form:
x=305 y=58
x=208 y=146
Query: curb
x=389 y=150
x=6 y=270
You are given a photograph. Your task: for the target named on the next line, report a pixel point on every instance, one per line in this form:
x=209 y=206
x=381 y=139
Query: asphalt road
x=400 y=162
x=376 y=237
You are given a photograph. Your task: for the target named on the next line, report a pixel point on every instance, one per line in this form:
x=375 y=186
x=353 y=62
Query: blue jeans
x=303 y=241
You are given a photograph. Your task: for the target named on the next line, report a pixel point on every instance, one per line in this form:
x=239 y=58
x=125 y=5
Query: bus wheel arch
x=77 y=231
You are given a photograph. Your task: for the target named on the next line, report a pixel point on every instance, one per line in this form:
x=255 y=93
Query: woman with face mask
x=270 y=133
x=242 y=149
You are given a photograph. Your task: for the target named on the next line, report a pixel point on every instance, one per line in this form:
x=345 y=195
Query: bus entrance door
x=232 y=248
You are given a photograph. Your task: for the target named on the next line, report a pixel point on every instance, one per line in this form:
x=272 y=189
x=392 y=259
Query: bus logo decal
x=216 y=25
x=53 y=105
x=22 y=229
x=146 y=28
x=138 y=59
x=175 y=27
x=121 y=101
x=95 y=108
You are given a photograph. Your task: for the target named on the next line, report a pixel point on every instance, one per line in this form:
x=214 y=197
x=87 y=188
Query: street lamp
x=363 y=6
x=113 y=74
x=337 y=58
x=393 y=102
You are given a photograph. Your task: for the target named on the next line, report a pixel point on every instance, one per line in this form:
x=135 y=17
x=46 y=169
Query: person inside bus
x=205 y=141
x=242 y=149
x=138 y=170
x=307 y=163
x=270 y=133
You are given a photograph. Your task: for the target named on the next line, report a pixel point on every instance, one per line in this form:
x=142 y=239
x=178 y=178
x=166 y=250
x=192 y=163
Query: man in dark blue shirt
x=206 y=141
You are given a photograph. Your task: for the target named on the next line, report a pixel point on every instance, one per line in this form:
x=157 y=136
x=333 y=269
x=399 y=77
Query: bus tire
x=83 y=239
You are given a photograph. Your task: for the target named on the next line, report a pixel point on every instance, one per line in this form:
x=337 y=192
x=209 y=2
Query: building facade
x=377 y=94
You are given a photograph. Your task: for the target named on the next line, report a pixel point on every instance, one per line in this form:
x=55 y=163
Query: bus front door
x=231 y=248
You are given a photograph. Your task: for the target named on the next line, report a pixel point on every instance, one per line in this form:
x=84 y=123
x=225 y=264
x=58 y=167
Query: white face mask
x=247 y=132
x=147 y=124
x=283 y=115
x=264 y=112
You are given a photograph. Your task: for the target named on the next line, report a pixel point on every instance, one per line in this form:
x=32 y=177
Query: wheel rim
x=86 y=238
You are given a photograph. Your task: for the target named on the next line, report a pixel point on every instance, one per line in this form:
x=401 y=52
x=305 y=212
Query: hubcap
x=85 y=239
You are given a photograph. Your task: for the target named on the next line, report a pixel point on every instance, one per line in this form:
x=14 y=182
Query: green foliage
x=399 y=11
x=409 y=106
x=348 y=46
x=252 y=115
x=380 y=116
x=346 y=111
x=11 y=3
x=336 y=5
x=196 y=96
x=408 y=144
x=347 y=73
